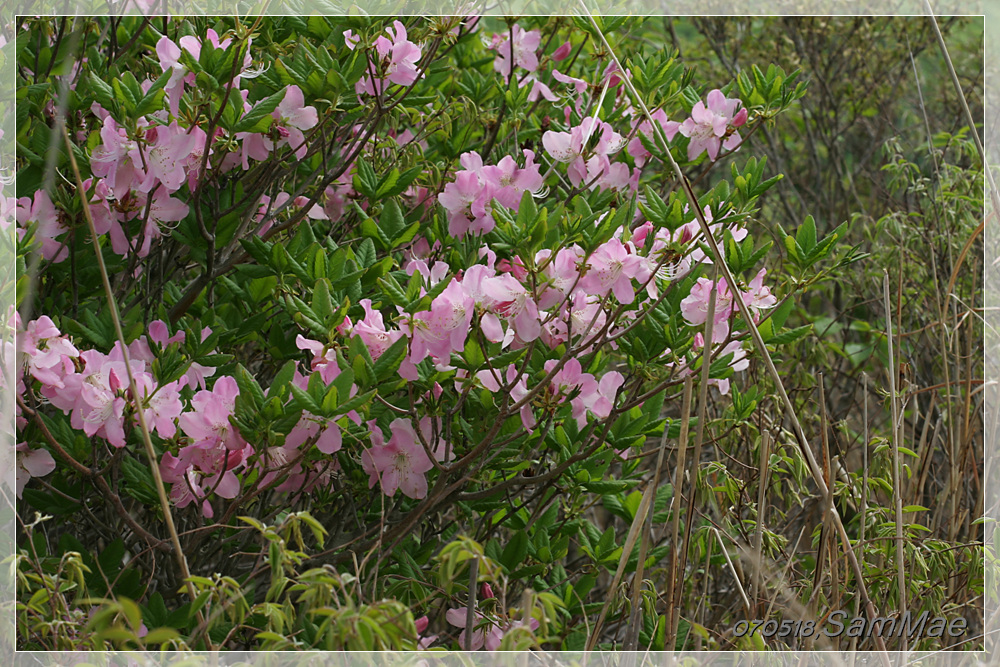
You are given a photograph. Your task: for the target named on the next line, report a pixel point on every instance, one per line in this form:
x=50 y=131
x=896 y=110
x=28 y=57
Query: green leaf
x=608 y=486
x=365 y=253
x=322 y=303
x=139 y=482
x=258 y=119
x=654 y=209
x=805 y=237
x=388 y=363
x=279 y=385
x=249 y=388
x=391 y=222
x=305 y=400
x=516 y=551
x=791 y=335
x=102 y=92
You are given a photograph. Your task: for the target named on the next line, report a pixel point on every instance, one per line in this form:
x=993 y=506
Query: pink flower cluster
x=516 y=48
x=587 y=148
x=713 y=127
x=398 y=58
x=469 y=199
x=489 y=628
x=137 y=174
x=694 y=308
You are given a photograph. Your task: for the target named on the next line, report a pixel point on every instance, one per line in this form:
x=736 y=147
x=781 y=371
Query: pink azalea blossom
x=759 y=296
x=694 y=307
x=594 y=138
x=562 y=52
x=579 y=85
x=401 y=463
x=100 y=405
x=167 y=160
x=399 y=56
x=503 y=298
x=519 y=51
x=713 y=127
x=292 y=117
x=441 y=330
x=31 y=463
x=112 y=160
x=611 y=268
x=517 y=386
x=169 y=54
x=635 y=147
x=561 y=274
x=42 y=211
x=48 y=353
x=486 y=631
x=190 y=484
x=423 y=641
x=207 y=423
x=162 y=404
x=469 y=198
x=373 y=332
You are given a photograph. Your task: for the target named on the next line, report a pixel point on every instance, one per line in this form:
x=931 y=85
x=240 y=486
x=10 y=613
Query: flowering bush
x=427 y=289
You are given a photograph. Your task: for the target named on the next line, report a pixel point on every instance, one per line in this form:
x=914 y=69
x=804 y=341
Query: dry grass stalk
x=897 y=500
x=140 y=414
x=673 y=596
x=755 y=335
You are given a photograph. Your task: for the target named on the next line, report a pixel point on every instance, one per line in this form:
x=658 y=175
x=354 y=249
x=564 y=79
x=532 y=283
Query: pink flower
x=738 y=363
x=112 y=160
x=443 y=329
x=159 y=333
x=42 y=211
x=561 y=274
x=292 y=117
x=503 y=298
x=694 y=307
x=207 y=424
x=578 y=84
x=611 y=268
x=400 y=463
x=373 y=332
x=167 y=160
x=95 y=396
x=458 y=198
x=562 y=52
x=582 y=317
x=31 y=463
x=636 y=148
x=49 y=354
x=516 y=384
x=190 y=484
x=520 y=51
x=571 y=146
x=169 y=54
x=163 y=208
x=759 y=296
x=486 y=631
x=469 y=198
x=538 y=89
x=399 y=56
x=162 y=404
x=350 y=39
x=713 y=127
x=423 y=642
